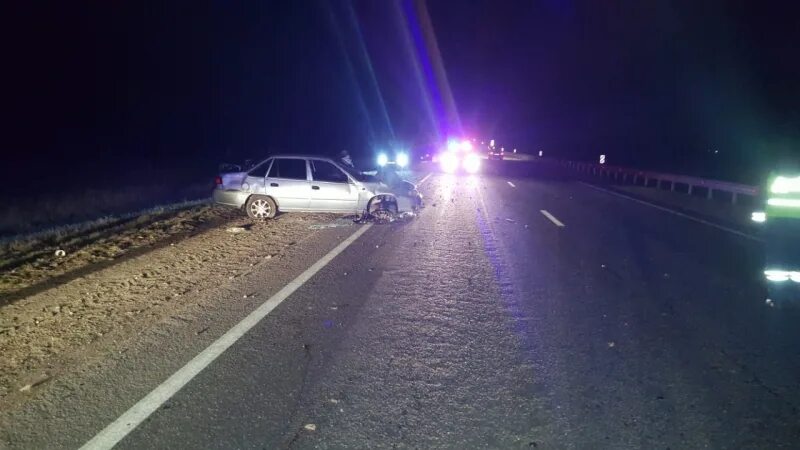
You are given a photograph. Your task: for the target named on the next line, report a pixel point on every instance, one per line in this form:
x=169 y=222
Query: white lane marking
x=510 y=184
x=424 y=179
x=117 y=430
x=552 y=218
x=677 y=213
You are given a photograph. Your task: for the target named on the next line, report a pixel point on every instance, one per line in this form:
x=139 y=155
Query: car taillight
x=218 y=181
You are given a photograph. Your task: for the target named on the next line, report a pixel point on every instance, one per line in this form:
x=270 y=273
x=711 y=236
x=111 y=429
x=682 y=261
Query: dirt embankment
x=57 y=310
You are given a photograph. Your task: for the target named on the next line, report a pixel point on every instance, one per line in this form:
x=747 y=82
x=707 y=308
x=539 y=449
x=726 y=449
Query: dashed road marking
x=552 y=218
x=138 y=413
x=511 y=184
x=424 y=179
x=672 y=211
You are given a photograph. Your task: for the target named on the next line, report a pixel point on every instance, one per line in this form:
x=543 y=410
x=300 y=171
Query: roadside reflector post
x=710 y=194
x=602 y=159
x=690 y=189
x=733 y=198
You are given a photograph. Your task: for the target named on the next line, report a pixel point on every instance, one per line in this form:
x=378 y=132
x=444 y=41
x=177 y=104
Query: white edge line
x=127 y=422
x=511 y=184
x=424 y=179
x=552 y=218
x=672 y=211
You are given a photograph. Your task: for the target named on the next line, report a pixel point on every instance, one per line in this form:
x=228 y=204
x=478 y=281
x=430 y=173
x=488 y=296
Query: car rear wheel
x=258 y=207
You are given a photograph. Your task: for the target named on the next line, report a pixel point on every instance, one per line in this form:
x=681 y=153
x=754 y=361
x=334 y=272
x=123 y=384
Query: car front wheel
x=258 y=207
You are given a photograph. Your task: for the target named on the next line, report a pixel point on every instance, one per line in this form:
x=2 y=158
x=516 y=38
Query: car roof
x=298 y=155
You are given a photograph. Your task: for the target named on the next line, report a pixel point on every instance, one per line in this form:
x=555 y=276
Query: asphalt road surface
x=514 y=312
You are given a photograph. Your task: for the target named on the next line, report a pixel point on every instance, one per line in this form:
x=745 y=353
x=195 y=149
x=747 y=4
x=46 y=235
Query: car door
x=331 y=189
x=287 y=182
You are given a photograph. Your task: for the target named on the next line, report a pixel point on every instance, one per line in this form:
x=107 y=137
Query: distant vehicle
x=312 y=184
x=495 y=153
x=425 y=153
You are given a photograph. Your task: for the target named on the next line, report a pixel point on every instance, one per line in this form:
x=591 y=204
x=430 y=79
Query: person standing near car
x=344 y=158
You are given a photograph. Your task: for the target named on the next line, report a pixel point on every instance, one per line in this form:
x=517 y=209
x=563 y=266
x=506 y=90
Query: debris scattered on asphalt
x=611 y=344
x=268 y=257
x=310 y=427
x=526 y=226
x=334 y=401
x=770 y=303
x=235 y=230
x=509 y=220
x=61 y=253
x=202 y=331
x=35 y=382
x=602 y=266
x=338 y=223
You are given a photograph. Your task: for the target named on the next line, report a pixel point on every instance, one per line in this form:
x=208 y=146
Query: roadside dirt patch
x=46 y=261
x=43 y=333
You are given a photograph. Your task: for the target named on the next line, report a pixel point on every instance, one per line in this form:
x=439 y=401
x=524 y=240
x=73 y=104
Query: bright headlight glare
x=383 y=159
x=776 y=275
x=472 y=163
x=782 y=275
x=759 y=216
x=787 y=202
x=784 y=185
x=402 y=159
x=449 y=162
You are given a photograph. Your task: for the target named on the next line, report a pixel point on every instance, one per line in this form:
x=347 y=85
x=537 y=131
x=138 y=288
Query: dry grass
x=29 y=215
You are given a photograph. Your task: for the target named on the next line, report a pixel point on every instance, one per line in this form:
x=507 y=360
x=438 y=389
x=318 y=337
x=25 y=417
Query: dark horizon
x=182 y=88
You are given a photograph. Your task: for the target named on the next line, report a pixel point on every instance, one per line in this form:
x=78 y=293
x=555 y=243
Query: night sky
x=122 y=92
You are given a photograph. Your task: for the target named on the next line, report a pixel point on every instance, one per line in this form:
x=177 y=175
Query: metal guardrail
x=644 y=178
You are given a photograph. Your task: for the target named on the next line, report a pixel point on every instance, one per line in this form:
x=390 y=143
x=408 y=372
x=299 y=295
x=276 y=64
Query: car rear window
x=260 y=170
x=291 y=168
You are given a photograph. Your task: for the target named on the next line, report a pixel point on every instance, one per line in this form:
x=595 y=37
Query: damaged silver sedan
x=315 y=184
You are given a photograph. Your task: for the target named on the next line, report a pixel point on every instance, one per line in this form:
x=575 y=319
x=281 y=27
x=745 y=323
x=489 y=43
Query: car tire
x=384 y=211
x=260 y=207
